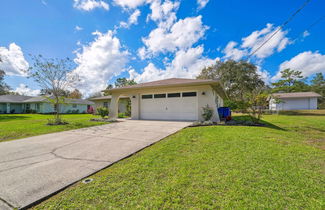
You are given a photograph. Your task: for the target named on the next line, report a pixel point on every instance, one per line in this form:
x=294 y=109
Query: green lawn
x=228 y=167
x=17 y=126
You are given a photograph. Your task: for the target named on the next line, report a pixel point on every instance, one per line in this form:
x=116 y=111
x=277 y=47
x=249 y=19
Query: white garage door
x=169 y=106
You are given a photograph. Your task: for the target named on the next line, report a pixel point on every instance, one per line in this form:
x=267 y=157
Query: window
x=74 y=106
x=106 y=104
x=189 y=94
x=146 y=96
x=174 y=95
x=37 y=106
x=160 y=95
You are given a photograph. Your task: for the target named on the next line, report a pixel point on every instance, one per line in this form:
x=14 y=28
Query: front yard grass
x=227 y=167
x=15 y=126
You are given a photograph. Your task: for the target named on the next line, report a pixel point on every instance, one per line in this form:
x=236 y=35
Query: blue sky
x=155 y=39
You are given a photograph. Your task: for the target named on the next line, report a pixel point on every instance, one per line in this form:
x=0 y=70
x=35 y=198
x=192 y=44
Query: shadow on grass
x=304 y=112
x=247 y=118
x=6 y=118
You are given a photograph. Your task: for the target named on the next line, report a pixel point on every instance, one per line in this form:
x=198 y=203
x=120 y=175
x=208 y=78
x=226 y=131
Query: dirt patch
x=319 y=143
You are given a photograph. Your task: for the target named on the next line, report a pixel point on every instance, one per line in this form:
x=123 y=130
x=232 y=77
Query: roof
x=296 y=95
x=30 y=99
x=104 y=98
x=13 y=98
x=166 y=82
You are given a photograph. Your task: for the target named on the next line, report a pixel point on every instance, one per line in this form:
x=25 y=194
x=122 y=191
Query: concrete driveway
x=35 y=167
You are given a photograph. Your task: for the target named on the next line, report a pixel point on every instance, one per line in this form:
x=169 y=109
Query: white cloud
x=88 y=5
x=13 y=60
x=133 y=19
x=202 y=3
x=252 y=42
x=78 y=28
x=164 y=13
x=305 y=34
x=231 y=52
x=307 y=62
x=131 y=4
x=181 y=36
x=23 y=89
x=99 y=61
x=257 y=38
x=186 y=64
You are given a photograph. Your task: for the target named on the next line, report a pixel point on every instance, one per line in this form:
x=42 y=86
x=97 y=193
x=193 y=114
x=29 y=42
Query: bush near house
x=102 y=111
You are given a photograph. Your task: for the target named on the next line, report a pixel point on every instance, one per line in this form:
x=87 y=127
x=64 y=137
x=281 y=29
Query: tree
x=236 y=78
x=95 y=95
x=47 y=92
x=76 y=94
x=122 y=82
x=4 y=88
x=241 y=83
x=292 y=81
x=318 y=86
x=54 y=76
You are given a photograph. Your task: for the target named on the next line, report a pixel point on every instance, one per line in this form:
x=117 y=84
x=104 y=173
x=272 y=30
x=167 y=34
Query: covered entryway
x=169 y=106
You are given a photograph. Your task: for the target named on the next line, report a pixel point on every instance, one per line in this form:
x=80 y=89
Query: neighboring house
x=170 y=99
x=105 y=101
x=293 y=101
x=15 y=104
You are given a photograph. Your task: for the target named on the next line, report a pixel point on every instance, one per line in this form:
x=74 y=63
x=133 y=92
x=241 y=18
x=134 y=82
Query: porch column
x=8 y=108
x=113 y=107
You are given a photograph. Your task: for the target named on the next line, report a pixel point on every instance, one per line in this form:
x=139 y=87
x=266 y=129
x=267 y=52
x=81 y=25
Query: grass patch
x=17 y=126
x=228 y=167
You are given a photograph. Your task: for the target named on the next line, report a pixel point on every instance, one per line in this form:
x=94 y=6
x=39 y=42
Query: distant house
x=293 y=101
x=105 y=101
x=16 y=104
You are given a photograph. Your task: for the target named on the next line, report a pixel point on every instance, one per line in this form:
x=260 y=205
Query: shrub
x=102 y=111
x=207 y=113
x=69 y=111
x=121 y=115
x=56 y=121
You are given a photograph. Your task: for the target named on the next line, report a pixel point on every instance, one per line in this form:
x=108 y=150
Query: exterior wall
x=205 y=96
x=16 y=107
x=64 y=108
x=3 y=108
x=293 y=104
x=122 y=104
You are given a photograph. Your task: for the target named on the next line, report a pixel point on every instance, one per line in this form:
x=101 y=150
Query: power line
x=280 y=28
x=310 y=26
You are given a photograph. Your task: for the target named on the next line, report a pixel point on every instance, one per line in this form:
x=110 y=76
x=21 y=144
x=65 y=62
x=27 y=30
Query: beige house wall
x=122 y=104
x=206 y=95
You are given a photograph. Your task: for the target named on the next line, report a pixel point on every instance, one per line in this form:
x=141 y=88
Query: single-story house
x=170 y=99
x=293 y=101
x=16 y=104
x=105 y=101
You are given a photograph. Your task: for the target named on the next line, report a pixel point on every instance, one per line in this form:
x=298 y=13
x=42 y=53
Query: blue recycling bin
x=224 y=112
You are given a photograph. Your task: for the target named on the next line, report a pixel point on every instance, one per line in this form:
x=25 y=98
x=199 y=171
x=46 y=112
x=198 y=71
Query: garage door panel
x=175 y=108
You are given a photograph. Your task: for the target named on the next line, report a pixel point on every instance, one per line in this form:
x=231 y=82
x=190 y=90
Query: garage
x=169 y=106
x=176 y=99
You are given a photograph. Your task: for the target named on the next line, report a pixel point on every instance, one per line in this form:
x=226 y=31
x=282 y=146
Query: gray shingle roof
x=296 y=95
x=13 y=98
x=30 y=99
x=167 y=82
